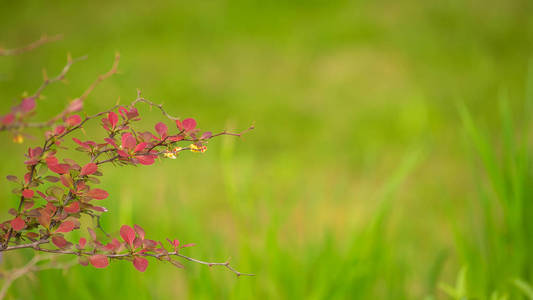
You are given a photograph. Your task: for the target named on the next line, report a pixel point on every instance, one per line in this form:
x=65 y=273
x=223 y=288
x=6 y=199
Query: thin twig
x=102 y=77
x=59 y=77
x=30 y=268
x=36 y=246
x=41 y=41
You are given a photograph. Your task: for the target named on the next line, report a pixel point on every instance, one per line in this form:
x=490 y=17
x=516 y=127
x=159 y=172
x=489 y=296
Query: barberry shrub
x=56 y=190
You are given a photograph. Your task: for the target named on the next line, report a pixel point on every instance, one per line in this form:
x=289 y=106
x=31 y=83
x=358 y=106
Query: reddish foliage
x=97 y=194
x=73 y=208
x=89 y=169
x=67 y=188
x=82 y=243
x=27 y=105
x=99 y=261
x=140 y=232
x=67 y=226
x=18 y=224
x=60 y=242
x=162 y=130
x=27 y=194
x=73 y=120
x=127 y=234
x=8 y=119
x=140 y=263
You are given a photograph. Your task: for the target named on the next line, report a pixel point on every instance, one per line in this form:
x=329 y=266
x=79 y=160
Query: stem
x=36 y=246
x=43 y=40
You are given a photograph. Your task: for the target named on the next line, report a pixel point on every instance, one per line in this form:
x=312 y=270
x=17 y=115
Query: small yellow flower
x=18 y=138
x=198 y=149
x=170 y=155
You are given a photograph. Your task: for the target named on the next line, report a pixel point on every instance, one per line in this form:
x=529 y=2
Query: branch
x=43 y=40
x=47 y=81
x=160 y=106
x=30 y=268
x=36 y=246
x=59 y=77
x=102 y=77
x=86 y=93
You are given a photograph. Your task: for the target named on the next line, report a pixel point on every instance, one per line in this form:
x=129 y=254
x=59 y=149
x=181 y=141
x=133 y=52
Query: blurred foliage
x=359 y=181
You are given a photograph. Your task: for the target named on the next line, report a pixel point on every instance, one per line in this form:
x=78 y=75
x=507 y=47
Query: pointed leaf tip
x=128 y=234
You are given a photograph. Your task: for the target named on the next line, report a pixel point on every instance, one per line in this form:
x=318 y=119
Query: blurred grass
x=342 y=92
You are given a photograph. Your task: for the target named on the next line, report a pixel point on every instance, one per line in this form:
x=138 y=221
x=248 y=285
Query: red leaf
x=137 y=243
x=27 y=104
x=189 y=124
x=60 y=242
x=127 y=234
x=82 y=243
x=27 y=177
x=114 y=245
x=140 y=147
x=122 y=111
x=161 y=129
x=128 y=141
x=132 y=113
x=206 y=135
x=27 y=194
x=32 y=236
x=122 y=153
x=140 y=263
x=187 y=245
x=8 y=119
x=111 y=141
x=66 y=180
x=113 y=118
x=35 y=152
x=18 y=224
x=89 y=169
x=149 y=243
x=98 y=194
x=65 y=227
x=140 y=232
x=99 y=261
x=44 y=218
x=73 y=208
x=175 y=138
x=51 y=160
x=98 y=208
x=73 y=120
x=59 y=130
x=59 y=168
x=75 y=105
x=145 y=159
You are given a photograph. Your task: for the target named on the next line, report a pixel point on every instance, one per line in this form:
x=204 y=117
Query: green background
x=359 y=178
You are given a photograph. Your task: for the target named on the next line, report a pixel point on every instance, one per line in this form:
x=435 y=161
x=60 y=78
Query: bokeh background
x=365 y=176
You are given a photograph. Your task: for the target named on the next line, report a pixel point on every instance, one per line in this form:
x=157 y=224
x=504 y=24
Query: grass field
x=391 y=157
